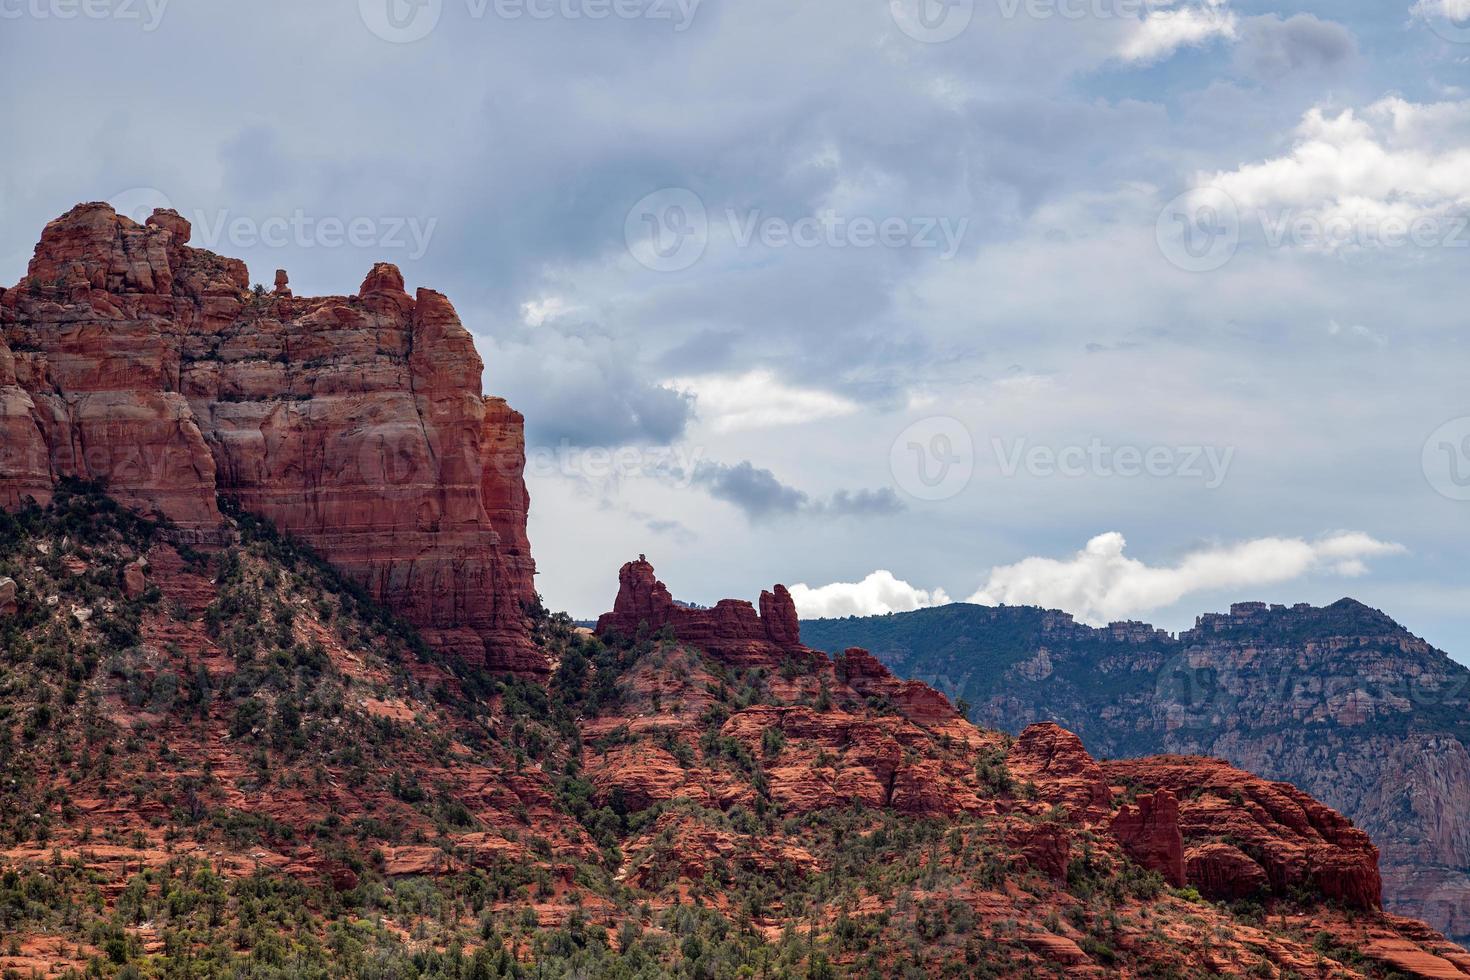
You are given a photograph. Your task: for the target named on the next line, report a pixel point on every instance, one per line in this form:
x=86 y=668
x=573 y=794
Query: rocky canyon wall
x=355 y=423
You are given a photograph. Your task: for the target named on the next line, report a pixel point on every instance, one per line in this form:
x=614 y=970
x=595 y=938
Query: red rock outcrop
x=1295 y=840
x=355 y=423
x=1340 y=701
x=731 y=630
x=1149 y=833
x=1054 y=760
x=1224 y=873
x=915 y=700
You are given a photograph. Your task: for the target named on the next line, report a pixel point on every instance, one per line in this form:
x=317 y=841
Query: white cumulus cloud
x=1164 y=31
x=1365 y=177
x=875 y=595
x=758 y=399
x=1100 y=583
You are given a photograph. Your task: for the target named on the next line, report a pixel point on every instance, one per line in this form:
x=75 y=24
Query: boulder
x=134 y=580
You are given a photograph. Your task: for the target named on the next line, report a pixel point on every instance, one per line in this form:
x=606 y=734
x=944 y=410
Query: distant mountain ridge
x=1340 y=700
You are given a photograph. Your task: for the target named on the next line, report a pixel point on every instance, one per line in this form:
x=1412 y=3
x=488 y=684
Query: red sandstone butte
x=355 y=423
x=732 y=630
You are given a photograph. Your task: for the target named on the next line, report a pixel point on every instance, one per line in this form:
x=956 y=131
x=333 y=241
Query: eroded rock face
x=732 y=629
x=1224 y=873
x=863 y=672
x=7 y=597
x=1149 y=833
x=1054 y=760
x=1295 y=840
x=355 y=423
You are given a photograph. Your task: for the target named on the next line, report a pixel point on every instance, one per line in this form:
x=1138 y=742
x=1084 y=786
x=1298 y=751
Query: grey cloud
x=578 y=386
x=761 y=495
x=865 y=502
x=674 y=529
x=757 y=492
x=1271 y=47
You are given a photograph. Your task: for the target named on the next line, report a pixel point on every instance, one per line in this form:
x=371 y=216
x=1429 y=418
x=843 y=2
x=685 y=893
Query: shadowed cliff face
x=355 y=423
x=1341 y=701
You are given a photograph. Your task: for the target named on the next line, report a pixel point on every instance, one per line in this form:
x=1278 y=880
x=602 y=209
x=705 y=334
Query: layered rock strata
x=355 y=423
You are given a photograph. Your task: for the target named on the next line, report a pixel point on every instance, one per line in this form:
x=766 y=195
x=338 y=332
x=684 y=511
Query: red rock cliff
x=353 y=422
x=1276 y=836
x=732 y=629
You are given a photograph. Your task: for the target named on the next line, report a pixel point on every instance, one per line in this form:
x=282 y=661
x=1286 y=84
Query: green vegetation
x=288 y=782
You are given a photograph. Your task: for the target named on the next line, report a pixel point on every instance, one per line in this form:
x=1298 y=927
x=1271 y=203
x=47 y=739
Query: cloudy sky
x=1129 y=308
